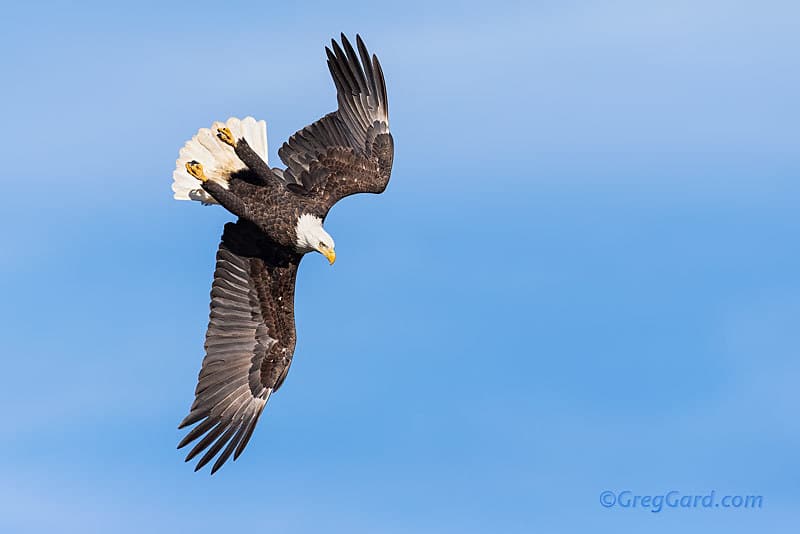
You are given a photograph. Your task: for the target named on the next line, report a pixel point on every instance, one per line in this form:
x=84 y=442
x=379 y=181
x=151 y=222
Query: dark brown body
x=258 y=195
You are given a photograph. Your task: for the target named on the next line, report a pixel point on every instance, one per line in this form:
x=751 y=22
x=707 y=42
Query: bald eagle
x=251 y=337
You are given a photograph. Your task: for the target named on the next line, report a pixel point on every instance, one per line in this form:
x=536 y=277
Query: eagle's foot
x=195 y=169
x=226 y=136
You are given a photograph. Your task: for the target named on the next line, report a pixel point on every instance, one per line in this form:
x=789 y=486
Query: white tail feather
x=218 y=159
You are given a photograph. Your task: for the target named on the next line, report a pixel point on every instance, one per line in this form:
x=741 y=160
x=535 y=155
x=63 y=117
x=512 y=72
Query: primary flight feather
x=251 y=333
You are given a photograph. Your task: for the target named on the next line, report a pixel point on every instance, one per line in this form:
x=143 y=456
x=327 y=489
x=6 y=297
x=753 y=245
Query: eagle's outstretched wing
x=350 y=150
x=249 y=343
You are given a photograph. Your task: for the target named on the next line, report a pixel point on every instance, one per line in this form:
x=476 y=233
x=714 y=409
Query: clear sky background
x=584 y=275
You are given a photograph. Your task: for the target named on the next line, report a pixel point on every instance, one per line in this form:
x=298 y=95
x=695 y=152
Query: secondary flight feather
x=251 y=336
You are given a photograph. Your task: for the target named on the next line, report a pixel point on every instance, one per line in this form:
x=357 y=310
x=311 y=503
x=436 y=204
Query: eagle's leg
x=248 y=156
x=228 y=199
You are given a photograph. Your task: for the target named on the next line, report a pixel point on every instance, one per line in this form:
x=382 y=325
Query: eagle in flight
x=251 y=333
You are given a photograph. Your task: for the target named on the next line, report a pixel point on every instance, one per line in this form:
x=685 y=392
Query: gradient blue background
x=583 y=275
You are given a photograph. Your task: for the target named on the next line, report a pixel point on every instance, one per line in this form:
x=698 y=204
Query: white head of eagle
x=312 y=236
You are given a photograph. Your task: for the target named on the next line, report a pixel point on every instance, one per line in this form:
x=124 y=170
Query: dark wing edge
x=360 y=92
x=355 y=137
x=239 y=371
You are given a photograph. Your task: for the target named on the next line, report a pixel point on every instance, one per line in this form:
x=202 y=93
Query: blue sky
x=583 y=275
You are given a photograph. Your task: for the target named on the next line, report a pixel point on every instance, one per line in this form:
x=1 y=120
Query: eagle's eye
x=322 y=245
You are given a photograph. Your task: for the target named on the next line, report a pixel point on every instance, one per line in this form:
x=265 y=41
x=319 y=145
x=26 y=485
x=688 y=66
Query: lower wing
x=249 y=343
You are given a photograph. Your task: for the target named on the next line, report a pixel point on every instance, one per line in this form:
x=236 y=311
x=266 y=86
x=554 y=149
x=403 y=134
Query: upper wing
x=249 y=343
x=350 y=150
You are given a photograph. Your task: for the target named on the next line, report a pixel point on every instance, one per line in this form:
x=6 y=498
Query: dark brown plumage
x=251 y=334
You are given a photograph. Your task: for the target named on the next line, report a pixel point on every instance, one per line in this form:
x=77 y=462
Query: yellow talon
x=226 y=136
x=195 y=169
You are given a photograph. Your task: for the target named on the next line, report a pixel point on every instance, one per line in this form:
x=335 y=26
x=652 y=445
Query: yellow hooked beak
x=330 y=254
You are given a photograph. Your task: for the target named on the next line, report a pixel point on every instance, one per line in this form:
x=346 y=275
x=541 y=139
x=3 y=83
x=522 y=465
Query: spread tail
x=218 y=158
